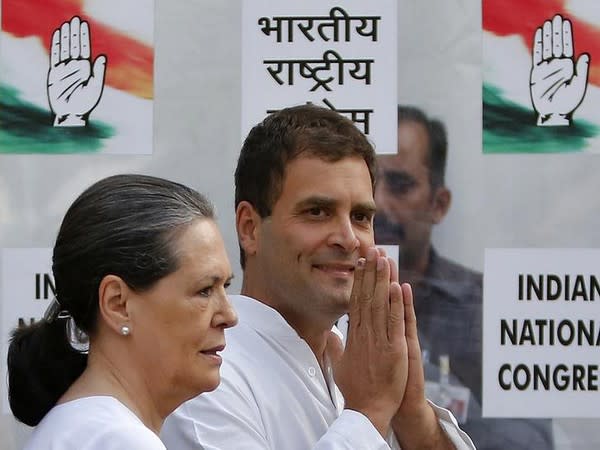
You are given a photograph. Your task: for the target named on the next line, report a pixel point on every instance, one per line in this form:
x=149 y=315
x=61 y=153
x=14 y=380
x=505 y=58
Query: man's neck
x=314 y=329
x=413 y=270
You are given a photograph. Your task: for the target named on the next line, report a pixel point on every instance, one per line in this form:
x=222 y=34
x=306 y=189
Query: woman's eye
x=206 y=292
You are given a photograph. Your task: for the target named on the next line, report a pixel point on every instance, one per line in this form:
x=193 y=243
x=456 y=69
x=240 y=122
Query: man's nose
x=344 y=235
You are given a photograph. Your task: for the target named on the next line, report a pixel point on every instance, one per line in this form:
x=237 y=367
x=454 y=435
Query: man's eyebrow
x=365 y=208
x=397 y=175
x=316 y=201
x=395 y=172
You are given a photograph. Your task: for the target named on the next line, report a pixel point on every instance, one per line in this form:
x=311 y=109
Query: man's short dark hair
x=283 y=136
x=438 y=142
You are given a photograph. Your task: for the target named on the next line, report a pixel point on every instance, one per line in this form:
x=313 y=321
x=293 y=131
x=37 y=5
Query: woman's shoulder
x=93 y=423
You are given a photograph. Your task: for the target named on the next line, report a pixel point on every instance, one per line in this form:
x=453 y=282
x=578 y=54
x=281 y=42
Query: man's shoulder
x=242 y=345
x=243 y=374
x=252 y=345
x=449 y=279
x=452 y=270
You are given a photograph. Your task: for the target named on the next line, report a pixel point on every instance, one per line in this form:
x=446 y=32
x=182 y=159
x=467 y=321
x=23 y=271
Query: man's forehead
x=390 y=162
x=413 y=139
x=314 y=166
x=407 y=160
x=310 y=157
x=307 y=176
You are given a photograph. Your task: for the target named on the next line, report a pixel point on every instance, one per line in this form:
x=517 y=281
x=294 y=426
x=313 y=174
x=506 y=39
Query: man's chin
x=340 y=300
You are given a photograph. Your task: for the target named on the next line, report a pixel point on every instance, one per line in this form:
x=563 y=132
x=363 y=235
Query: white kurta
x=273 y=395
x=92 y=423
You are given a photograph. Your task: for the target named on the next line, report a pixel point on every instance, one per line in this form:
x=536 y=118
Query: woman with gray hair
x=137 y=324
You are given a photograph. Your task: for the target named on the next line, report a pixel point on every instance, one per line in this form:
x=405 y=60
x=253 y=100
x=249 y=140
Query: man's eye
x=362 y=217
x=397 y=182
x=315 y=211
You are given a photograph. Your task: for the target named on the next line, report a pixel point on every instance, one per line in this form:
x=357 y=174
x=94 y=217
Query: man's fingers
x=55 y=49
x=537 y=47
x=86 y=50
x=393 y=270
x=410 y=318
x=65 y=46
x=557 y=36
x=381 y=298
x=354 y=307
x=412 y=337
x=567 y=38
x=393 y=266
x=395 y=327
x=74 y=40
x=368 y=285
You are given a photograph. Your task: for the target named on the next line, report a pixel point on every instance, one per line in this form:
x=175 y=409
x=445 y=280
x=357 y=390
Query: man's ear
x=441 y=203
x=247 y=222
x=113 y=294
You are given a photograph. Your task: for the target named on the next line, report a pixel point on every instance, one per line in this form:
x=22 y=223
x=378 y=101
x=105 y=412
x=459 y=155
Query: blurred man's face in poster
x=407 y=206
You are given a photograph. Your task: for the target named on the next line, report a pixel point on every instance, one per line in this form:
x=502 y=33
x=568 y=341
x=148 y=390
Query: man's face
x=406 y=204
x=319 y=226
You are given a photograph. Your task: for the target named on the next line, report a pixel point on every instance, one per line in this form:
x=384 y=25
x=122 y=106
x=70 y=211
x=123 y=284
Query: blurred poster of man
x=412 y=197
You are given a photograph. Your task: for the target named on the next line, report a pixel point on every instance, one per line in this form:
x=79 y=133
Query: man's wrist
x=380 y=421
x=421 y=431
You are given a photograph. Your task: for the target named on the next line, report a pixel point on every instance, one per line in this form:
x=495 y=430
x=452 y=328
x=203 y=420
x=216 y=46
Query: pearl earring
x=125 y=330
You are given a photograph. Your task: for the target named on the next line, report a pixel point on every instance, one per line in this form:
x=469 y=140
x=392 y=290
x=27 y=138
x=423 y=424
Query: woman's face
x=178 y=325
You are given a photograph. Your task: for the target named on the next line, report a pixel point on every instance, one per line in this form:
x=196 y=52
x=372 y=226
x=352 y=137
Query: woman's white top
x=93 y=423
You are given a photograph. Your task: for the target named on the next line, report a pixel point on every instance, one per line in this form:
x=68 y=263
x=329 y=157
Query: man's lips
x=344 y=269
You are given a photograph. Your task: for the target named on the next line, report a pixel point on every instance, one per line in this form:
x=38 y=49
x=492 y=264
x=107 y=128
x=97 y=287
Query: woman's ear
x=113 y=294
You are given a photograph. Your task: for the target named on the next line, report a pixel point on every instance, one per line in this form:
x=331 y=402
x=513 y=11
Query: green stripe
x=26 y=128
x=510 y=128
